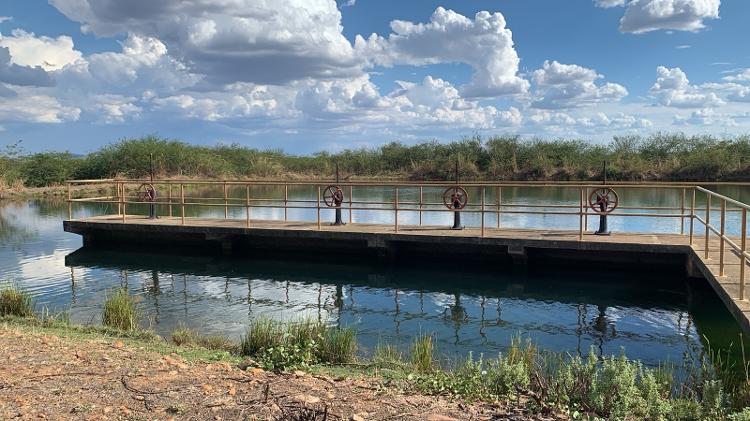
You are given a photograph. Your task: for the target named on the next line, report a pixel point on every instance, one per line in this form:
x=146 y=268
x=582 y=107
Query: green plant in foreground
x=422 y=353
x=15 y=301
x=120 y=311
x=188 y=337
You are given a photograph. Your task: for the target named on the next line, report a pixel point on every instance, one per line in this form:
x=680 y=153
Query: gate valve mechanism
x=147 y=193
x=333 y=198
x=455 y=198
x=603 y=201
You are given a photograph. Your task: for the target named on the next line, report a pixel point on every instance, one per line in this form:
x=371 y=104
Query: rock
x=139 y=397
x=255 y=371
x=119 y=344
x=299 y=373
x=438 y=417
x=306 y=399
x=232 y=391
x=358 y=417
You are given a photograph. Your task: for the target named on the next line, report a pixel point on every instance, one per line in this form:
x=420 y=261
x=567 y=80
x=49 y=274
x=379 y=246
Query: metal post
x=482 y=212
x=580 y=213
x=722 y=225
x=499 y=197
x=70 y=203
x=586 y=214
x=682 y=213
x=122 y=200
x=286 y=202
x=247 y=207
x=351 y=201
x=421 y=200
x=743 y=249
x=119 y=198
x=226 y=202
x=318 y=205
x=708 y=220
x=395 y=209
x=182 y=202
x=692 y=216
x=170 y=199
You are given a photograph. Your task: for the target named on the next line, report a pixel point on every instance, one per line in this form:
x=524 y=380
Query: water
x=652 y=316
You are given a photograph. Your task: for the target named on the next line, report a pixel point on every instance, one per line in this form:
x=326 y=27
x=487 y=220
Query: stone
x=438 y=417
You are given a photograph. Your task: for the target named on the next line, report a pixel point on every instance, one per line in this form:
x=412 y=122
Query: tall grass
x=188 y=337
x=422 y=353
x=15 y=301
x=120 y=311
x=662 y=156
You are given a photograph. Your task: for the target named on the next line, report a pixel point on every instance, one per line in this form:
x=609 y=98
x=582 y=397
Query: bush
x=15 y=301
x=48 y=169
x=120 y=311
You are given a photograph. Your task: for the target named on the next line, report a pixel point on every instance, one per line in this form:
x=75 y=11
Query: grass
x=15 y=301
x=120 y=311
x=189 y=337
x=422 y=353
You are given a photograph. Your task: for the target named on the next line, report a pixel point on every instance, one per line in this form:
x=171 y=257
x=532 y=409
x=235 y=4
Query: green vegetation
x=120 y=311
x=188 y=337
x=422 y=353
x=674 y=157
x=15 y=301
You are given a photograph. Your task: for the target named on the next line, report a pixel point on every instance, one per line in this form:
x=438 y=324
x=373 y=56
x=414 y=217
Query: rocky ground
x=44 y=375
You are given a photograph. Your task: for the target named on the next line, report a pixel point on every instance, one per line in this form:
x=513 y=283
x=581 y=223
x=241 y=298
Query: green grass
x=120 y=311
x=422 y=353
x=189 y=337
x=15 y=301
x=263 y=333
x=339 y=346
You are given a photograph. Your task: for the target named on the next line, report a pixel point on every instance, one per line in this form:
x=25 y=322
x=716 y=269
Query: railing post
x=247 y=206
x=286 y=201
x=119 y=197
x=743 y=250
x=70 y=202
x=482 y=212
x=722 y=224
x=395 y=209
x=182 y=202
x=351 y=202
x=586 y=214
x=682 y=213
x=169 y=198
x=708 y=221
x=122 y=201
x=421 y=200
x=499 y=197
x=580 y=214
x=226 y=201
x=692 y=216
x=318 y=205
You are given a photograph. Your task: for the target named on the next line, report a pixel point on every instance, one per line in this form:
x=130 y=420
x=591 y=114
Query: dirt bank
x=45 y=374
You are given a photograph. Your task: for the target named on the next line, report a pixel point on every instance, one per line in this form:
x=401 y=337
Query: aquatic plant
x=120 y=311
x=15 y=301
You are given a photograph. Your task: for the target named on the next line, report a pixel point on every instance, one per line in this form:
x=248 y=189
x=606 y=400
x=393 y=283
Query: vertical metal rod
x=586 y=208
x=499 y=198
x=692 y=217
x=580 y=213
x=122 y=200
x=421 y=200
x=170 y=199
x=318 y=205
x=722 y=225
x=286 y=202
x=708 y=222
x=351 y=201
x=226 y=202
x=70 y=203
x=482 y=212
x=395 y=208
x=743 y=249
x=247 y=207
x=682 y=213
x=182 y=202
x=119 y=198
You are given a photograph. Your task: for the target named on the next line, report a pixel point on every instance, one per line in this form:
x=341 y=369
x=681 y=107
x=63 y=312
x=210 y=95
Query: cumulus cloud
x=743 y=76
x=35 y=108
x=569 y=85
x=5 y=19
x=484 y=43
x=609 y=3
x=259 y=41
x=48 y=53
x=673 y=89
x=705 y=117
x=15 y=74
x=683 y=15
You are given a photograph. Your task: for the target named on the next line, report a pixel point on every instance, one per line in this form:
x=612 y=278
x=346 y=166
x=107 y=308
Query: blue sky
x=308 y=75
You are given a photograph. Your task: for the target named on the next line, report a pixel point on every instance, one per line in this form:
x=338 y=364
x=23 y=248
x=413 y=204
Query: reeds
x=120 y=311
x=15 y=301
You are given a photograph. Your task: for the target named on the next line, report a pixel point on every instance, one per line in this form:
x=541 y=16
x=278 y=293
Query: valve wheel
x=333 y=196
x=146 y=193
x=603 y=200
x=455 y=198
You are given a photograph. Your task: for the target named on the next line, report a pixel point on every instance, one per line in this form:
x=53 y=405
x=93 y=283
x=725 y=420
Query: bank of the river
x=62 y=372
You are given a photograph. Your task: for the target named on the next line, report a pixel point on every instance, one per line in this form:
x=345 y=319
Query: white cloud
x=349 y=3
x=683 y=47
x=705 y=117
x=21 y=75
x=743 y=76
x=609 y=3
x=484 y=43
x=673 y=89
x=259 y=41
x=34 y=108
x=568 y=85
x=5 y=19
x=26 y=49
x=114 y=108
x=683 y=15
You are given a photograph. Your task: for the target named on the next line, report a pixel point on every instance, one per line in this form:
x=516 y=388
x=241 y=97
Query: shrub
x=120 y=311
x=48 y=168
x=15 y=301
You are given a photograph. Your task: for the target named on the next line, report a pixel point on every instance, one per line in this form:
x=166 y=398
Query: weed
x=422 y=353
x=15 y=301
x=120 y=311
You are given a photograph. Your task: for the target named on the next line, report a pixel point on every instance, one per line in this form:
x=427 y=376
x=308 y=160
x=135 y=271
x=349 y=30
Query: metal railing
x=123 y=195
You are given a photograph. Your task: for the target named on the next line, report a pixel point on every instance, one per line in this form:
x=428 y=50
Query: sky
x=312 y=75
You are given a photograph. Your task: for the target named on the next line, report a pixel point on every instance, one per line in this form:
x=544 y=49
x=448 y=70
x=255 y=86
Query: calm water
x=654 y=317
